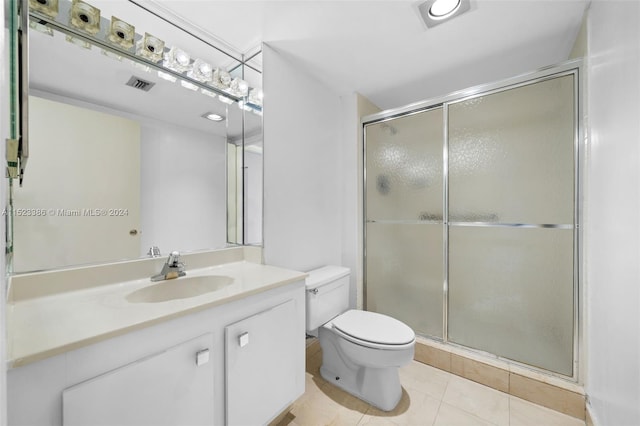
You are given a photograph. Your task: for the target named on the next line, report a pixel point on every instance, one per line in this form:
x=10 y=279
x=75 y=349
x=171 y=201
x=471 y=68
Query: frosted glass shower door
x=511 y=223
x=404 y=228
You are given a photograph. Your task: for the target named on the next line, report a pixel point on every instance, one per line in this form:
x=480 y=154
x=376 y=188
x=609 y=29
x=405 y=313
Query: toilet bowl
x=361 y=351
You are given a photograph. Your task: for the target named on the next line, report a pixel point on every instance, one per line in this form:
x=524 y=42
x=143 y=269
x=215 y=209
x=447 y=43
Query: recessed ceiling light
x=213 y=116
x=435 y=12
x=440 y=9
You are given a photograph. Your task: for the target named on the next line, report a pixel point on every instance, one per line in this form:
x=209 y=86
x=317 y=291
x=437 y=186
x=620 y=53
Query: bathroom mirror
x=123 y=156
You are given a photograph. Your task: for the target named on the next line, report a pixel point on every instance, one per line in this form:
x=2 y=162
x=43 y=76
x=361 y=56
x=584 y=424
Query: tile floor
x=430 y=397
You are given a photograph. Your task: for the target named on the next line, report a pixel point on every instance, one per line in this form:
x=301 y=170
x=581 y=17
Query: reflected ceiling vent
x=138 y=83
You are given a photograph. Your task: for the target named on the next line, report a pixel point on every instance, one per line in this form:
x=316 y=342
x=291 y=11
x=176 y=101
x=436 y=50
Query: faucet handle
x=154 y=251
x=174 y=258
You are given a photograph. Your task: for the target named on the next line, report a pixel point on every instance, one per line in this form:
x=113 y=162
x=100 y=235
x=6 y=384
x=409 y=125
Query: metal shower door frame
x=574 y=68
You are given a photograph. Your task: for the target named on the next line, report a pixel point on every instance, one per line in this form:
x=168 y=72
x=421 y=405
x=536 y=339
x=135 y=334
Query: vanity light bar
x=121 y=33
x=48 y=7
x=118 y=39
x=85 y=17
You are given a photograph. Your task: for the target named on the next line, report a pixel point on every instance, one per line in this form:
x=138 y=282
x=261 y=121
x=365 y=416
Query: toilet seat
x=374 y=330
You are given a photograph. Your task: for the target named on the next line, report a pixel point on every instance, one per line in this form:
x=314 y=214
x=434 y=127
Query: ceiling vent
x=138 y=83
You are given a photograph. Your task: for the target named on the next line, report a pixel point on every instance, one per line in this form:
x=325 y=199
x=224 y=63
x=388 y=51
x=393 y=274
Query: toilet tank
x=327 y=294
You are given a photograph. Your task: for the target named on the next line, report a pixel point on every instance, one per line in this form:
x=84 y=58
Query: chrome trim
x=445 y=227
x=513 y=225
x=23 y=84
x=401 y=114
x=475 y=90
x=577 y=245
x=406 y=222
x=364 y=217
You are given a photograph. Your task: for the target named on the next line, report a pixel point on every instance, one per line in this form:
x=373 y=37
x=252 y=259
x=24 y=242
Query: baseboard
x=590 y=417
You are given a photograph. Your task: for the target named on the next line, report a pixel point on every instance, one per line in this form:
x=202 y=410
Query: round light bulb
x=205 y=68
x=182 y=58
x=441 y=9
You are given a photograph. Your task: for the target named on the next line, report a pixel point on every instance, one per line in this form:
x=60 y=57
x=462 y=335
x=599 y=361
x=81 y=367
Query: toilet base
x=379 y=387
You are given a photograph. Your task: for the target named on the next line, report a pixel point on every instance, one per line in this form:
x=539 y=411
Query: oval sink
x=180 y=288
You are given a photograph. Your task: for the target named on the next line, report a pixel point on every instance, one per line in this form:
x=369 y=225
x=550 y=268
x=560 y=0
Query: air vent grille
x=138 y=83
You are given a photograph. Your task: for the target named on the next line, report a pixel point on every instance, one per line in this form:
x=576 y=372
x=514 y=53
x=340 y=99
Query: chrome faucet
x=172 y=268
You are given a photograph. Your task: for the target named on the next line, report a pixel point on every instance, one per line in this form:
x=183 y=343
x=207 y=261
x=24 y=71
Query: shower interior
x=471 y=218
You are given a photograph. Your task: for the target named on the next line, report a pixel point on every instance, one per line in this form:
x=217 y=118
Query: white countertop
x=41 y=327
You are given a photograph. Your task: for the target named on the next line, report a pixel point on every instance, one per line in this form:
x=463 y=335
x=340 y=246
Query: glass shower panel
x=404 y=168
x=404 y=273
x=511 y=293
x=516 y=149
x=404 y=232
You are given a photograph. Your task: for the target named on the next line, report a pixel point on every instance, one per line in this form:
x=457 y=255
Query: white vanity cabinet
x=260 y=351
x=159 y=374
x=172 y=387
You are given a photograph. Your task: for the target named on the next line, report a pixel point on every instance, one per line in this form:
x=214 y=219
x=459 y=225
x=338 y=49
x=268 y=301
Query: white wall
x=612 y=213
x=69 y=176
x=253 y=195
x=354 y=107
x=303 y=177
x=183 y=188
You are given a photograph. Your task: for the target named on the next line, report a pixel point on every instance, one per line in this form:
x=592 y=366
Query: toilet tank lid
x=326 y=274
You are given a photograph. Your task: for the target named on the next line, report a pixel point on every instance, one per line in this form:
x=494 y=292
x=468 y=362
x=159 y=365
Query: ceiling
x=382 y=49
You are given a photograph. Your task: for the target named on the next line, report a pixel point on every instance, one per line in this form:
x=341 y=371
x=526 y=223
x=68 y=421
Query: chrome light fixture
x=150 y=47
x=177 y=59
x=188 y=85
x=243 y=106
x=78 y=42
x=167 y=76
x=208 y=93
x=121 y=33
x=41 y=28
x=47 y=7
x=201 y=71
x=85 y=17
x=238 y=87
x=221 y=79
x=225 y=100
x=256 y=96
x=435 y=12
x=112 y=55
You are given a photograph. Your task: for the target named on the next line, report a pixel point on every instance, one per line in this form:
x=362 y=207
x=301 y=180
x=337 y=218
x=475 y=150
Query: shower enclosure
x=471 y=215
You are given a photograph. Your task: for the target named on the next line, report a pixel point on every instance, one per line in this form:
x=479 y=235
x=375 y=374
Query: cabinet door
x=262 y=354
x=167 y=388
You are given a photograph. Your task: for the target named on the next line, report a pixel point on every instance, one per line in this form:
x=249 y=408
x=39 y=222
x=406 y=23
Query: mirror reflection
x=124 y=157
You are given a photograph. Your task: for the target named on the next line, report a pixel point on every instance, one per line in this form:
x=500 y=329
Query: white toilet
x=361 y=350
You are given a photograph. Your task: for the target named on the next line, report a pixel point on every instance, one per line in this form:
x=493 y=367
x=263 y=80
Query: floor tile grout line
x=509 y=407
x=435 y=419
